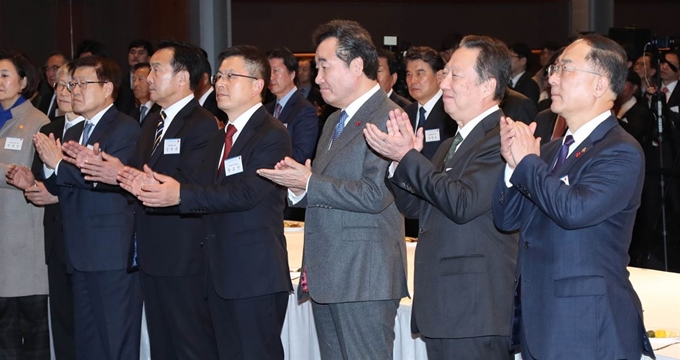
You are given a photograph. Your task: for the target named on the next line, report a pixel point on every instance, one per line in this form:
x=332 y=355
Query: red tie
x=231 y=130
x=560 y=128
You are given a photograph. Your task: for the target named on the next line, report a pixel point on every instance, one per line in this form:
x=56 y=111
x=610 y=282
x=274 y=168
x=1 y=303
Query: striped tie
x=159 y=131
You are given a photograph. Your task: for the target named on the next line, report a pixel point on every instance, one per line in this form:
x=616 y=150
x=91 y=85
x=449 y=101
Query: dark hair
x=57 y=53
x=92 y=46
x=523 y=51
x=25 y=69
x=391 y=60
x=185 y=57
x=205 y=63
x=105 y=68
x=493 y=61
x=142 y=43
x=257 y=64
x=609 y=57
x=289 y=59
x=353 y=42
x=633 y=78
x=426 y=54
x=552 y=46
x=142 y=65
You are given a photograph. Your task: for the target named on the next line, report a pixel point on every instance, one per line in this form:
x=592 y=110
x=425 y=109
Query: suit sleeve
x=507 y=206
x=248 y=190
x=603 y=189
x=407 y=203
x=121 y=144
x=304 y=134
x=462 y=199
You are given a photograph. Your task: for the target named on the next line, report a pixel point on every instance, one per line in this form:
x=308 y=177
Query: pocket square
x=447 y=169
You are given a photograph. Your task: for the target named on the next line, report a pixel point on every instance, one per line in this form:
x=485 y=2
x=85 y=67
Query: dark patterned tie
x=159 y=131
x=421 y=119
x=564 y=151
x=87 y=131
x=277 y=110
x=452 y=150
x=228 y=144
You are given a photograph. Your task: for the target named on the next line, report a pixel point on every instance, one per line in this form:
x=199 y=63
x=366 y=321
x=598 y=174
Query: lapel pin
x=358 y=123
x=580 y=152
x=21 y=127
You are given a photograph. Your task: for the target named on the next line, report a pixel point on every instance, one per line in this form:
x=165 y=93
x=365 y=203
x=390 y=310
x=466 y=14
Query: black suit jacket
x=399 y=100
x=299 y=117
x=211 y=104
x=46 y=101
x=528 y=87
x=545 y=125
x=637 y=121
x=98 y=230
x=170 y=244
x=125 y=102
x=54 y=237
x=464 y=275
x=135 y=113
x=243 y=213
x=437 y=119
x=518 y=107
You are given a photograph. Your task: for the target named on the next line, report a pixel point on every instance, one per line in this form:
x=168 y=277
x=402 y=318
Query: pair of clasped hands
x=153 y=189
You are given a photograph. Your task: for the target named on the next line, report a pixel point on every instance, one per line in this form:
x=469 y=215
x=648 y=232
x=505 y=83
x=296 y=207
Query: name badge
x=171 y=146
x=13 y=143
x=432 y=135
x=233 y=166
x=565 y=180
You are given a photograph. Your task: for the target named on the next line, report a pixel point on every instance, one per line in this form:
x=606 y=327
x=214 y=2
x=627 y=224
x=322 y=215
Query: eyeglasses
x=559 y=70
x=83 y=84
x=229 y=77
x=60 y=86
x=53 y=68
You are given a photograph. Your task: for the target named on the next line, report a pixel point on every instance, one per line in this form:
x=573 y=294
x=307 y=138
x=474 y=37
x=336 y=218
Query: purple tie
x=564 y=150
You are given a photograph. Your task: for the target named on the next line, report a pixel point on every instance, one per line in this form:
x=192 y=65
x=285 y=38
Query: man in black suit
x=140 y=87
x=388 y=76
x=633 y=115
x=464 y=275
x=520 y=79
x=48 y=99
x=248 y=280
x=290 y=107
x=98 y=230
x=546 y=129
x=205 y=93
x=172 y=140
x=423 y=68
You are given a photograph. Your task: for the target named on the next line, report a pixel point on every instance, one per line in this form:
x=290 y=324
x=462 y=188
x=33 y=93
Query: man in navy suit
x=98 y=230
x=248 y=280
x=296 y=113
x=574 y=202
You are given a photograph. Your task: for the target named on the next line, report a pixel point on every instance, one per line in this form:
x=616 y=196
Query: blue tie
x=87 y=131
x=564 y=150
x=340 y=125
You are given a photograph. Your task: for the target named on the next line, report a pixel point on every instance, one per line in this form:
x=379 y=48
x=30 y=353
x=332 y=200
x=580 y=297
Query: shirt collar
x=148 y=105
x=626 y=106
x=241 y=121
x=98 y=116
x=204 y=97
x=359 y=102
x=174 y=109
x=390 y=93
x=467 y=129
x=584 y=131
x=671 y=86
x=516 y=78
x=429 y=105
x=284 y=100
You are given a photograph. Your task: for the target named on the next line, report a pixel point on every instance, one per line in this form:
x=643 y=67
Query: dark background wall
x=39 y=27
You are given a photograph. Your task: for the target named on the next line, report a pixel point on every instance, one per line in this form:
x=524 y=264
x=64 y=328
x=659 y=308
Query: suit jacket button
x=526 y=244
x=421 y=230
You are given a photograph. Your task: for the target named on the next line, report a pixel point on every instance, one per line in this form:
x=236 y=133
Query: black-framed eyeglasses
x=59 y=86
x=83 y=84
x=229 y=77
x=559 y=70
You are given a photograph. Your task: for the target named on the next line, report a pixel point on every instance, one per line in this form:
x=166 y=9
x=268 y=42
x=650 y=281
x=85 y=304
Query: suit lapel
x=74 y=132
x=103 y=125
x=172 y=131
x=290 y=104
x=595 y=136
x=354 y=128
x=484 y=126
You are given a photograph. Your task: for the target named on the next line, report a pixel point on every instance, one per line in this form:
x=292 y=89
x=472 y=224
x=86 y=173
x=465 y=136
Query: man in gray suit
x=354 y=266
x=462 y=305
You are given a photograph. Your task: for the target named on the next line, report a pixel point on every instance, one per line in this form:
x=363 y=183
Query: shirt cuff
x=508 y=175
x=294 y=199
x=56 y=168
x=47 y=172
x=392 y=169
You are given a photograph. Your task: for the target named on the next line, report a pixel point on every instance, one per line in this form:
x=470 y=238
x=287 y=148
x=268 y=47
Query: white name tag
x=233 y=166
x=675 y=109
x=13 y=143
x=171 y=146
x=432 y=135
